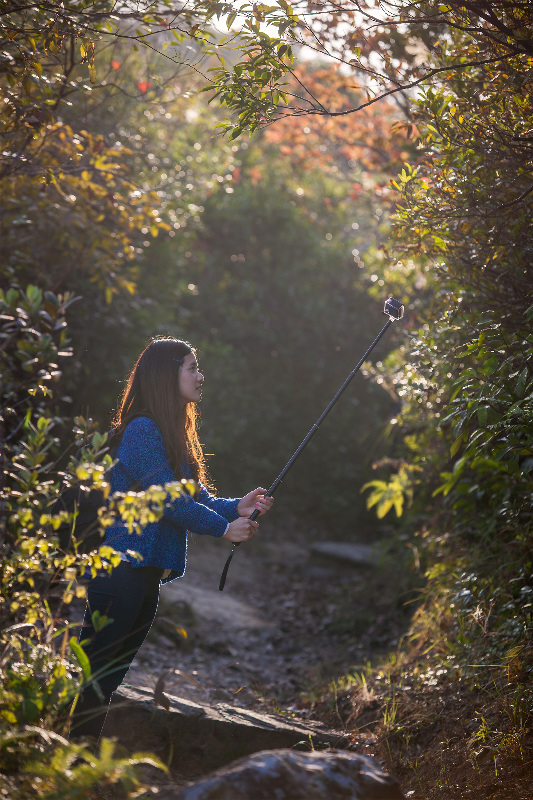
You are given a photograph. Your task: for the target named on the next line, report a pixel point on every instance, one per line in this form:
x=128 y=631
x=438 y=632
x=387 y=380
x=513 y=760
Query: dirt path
x=282 y=626
x=286 y=630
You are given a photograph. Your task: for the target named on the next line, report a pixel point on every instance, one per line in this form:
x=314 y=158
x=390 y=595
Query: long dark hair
x=152 y=387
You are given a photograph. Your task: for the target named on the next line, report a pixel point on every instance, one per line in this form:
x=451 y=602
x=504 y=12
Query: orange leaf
x=255 y=175
x=144 y=85
x=115 y=64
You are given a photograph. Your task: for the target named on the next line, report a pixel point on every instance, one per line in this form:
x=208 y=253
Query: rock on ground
x=347 y=554
x=290 y=775
x=193 y=738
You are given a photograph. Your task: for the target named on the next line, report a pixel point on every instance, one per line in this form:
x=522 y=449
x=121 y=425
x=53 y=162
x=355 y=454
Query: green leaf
x=522 y=382
x=457 y=444
x=482 y=415
x=34 y=294
x=99 y=621
x=81 y=658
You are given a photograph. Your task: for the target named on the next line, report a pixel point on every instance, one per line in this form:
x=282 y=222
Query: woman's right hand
x=241 y=530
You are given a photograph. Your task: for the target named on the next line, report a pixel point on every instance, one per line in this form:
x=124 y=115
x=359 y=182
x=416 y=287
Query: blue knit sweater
x=142 y=460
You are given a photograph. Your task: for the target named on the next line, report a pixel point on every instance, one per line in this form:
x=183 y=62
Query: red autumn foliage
x=371 y=140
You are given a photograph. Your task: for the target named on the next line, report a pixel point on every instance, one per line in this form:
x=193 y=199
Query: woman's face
x=190 y=380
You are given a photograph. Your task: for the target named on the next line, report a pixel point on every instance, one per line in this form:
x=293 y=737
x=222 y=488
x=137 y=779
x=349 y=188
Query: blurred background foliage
x=257 y=255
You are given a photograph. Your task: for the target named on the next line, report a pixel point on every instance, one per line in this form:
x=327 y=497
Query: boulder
x=193 y=738
x=290 y=775
x=211 y=606
x=342 y=554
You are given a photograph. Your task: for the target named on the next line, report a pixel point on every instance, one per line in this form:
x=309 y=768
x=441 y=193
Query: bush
x=42 y=667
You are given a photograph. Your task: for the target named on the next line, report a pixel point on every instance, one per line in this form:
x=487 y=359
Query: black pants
x=128 y=598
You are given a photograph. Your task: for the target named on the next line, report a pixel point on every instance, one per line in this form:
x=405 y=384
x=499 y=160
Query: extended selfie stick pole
x=394 y=310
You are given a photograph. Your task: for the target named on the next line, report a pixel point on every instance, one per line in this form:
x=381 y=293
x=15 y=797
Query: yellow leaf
x=129 y=286
x=177 y=628
x=384 y=506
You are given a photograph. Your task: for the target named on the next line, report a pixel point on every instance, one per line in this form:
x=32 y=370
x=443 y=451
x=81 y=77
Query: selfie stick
x=394 y=310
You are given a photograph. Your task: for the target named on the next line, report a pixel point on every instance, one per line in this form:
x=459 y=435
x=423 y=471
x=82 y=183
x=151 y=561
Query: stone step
x=193 y=738
x=343 y=554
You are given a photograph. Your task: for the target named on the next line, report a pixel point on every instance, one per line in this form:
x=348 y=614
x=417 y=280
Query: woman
x=157 y=426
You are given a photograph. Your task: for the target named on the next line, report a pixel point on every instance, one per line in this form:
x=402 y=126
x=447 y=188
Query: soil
x=285 y=623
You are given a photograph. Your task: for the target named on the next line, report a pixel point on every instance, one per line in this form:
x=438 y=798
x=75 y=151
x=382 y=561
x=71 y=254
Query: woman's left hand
x=254 y=501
